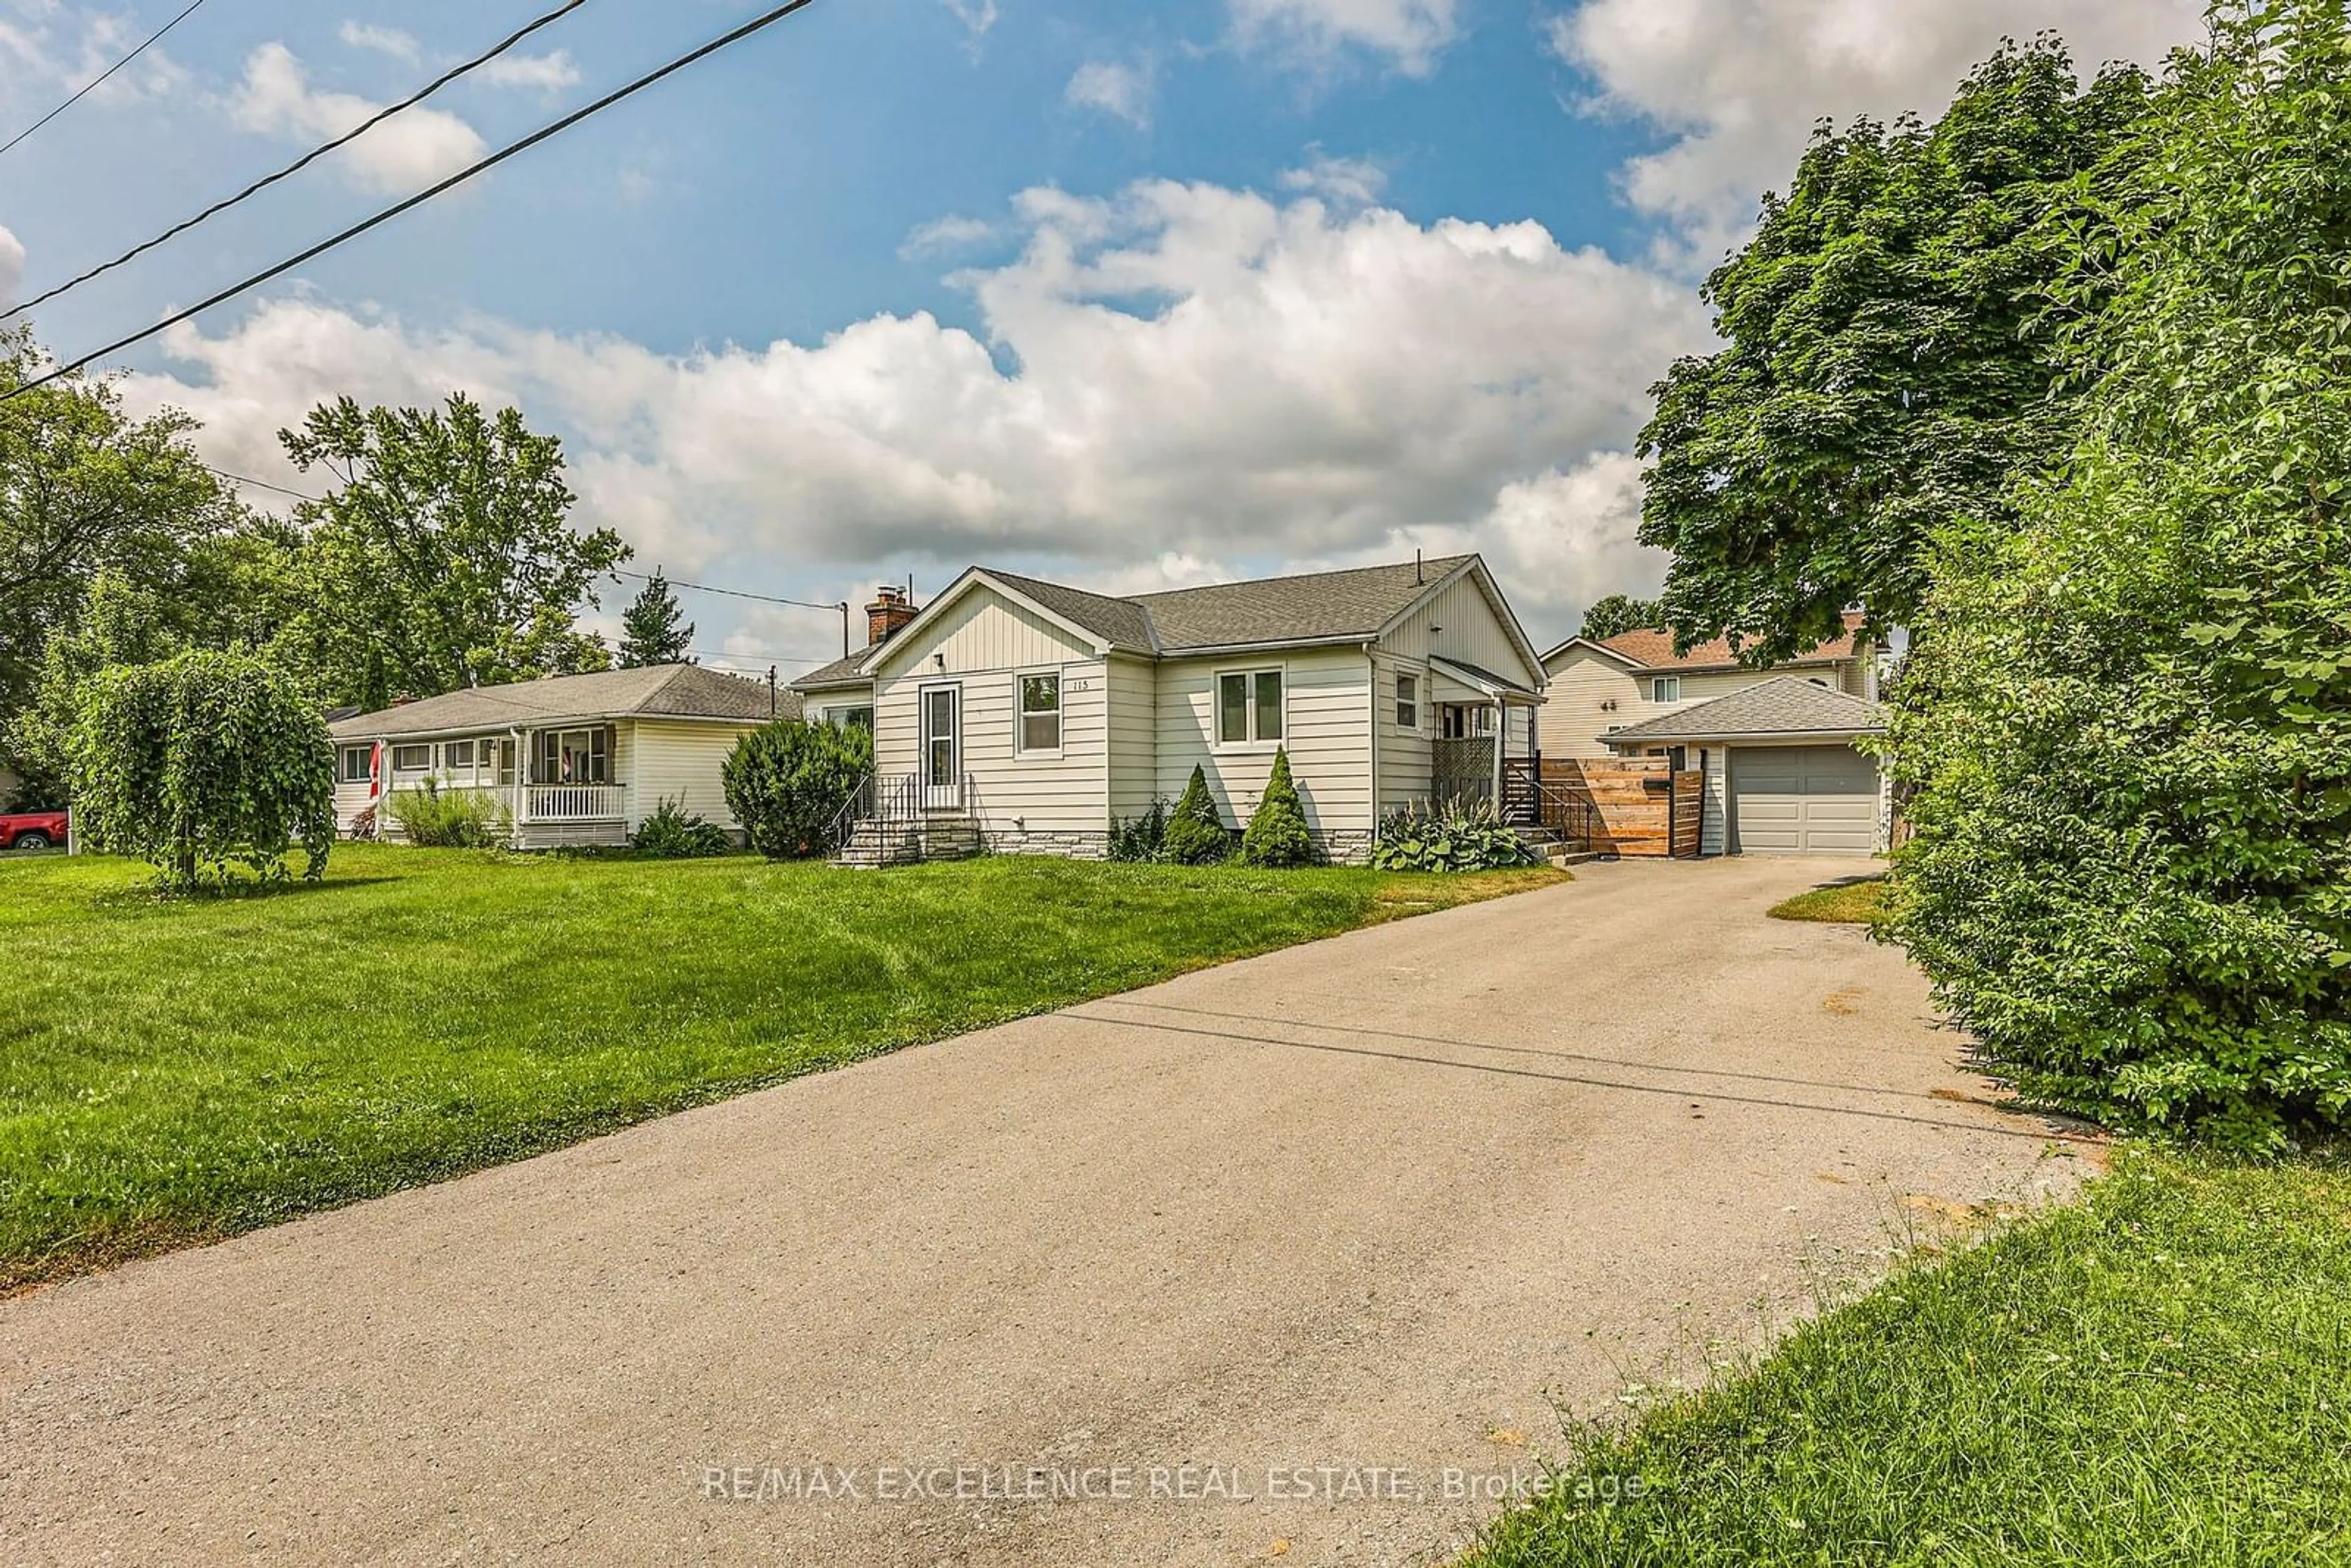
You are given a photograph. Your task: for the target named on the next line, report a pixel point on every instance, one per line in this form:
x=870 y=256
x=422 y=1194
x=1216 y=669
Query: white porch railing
x=575 y=802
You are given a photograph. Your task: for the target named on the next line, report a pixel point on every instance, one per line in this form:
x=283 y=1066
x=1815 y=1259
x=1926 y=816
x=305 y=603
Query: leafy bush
x=673 y=832
x=1424 y=837
x=1143 y=837
x=2126 y=726
x=787 y=780
x=1196 y=834
x=436 y=819
x=1277 y=835
x=200 y=763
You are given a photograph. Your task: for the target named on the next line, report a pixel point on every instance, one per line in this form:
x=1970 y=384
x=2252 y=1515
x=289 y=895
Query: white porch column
x=1501 y=743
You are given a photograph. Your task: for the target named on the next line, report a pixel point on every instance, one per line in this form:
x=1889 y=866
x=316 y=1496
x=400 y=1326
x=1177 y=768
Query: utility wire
x=151 y=38
x=302 y=162
x=731 y=592
x=260 y=484
x=758 y=23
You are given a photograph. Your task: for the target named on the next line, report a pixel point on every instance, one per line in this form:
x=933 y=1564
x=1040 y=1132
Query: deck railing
x=575 y=802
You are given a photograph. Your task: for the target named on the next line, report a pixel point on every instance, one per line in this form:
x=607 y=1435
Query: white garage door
x=1803 y=801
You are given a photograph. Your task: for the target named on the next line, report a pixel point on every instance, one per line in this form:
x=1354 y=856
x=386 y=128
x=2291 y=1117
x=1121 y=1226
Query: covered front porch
x=558 y=785
x=1485 y=723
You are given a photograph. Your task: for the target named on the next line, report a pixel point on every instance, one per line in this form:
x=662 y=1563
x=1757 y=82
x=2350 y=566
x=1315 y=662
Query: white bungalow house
x=574 y=759
x=1027 y=714
x=1776 y=743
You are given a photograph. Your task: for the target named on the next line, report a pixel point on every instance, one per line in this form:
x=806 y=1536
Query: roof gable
x=1312 y=607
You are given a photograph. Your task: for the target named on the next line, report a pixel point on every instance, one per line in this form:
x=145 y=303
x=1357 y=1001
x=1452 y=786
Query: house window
x=1040 y=713
x=458 y=754
x=574 y=756
x=1665 y=688
x=1462 y=721
x=1249 y=707
x=358 y=764
x=862 y=717
x=412 y=759
x=1407 y=702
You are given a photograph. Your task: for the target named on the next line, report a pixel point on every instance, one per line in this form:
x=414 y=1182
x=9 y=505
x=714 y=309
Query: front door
x=942 y=748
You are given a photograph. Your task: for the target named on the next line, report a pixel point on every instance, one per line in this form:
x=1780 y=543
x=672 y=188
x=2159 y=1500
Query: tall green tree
x=654 y=629
x=86 y=488
x=1619 y=612
x=119 y=624
x=1886 y=365
x=2128 y=724
x=443 y=557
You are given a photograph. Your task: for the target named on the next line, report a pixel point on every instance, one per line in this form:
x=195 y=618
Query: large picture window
x=1040 y=712
x=1249 y=707
x=412 y=759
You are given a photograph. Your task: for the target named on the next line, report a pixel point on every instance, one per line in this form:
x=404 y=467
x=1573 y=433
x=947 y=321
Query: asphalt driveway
x=1247 y=1262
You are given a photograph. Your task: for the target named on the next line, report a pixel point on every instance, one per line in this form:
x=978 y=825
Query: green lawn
x=1860 y=902
x=176 y=1070
x=2159 y=1376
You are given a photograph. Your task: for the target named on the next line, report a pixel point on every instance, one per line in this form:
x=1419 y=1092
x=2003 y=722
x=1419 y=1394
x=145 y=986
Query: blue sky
x=1134 y=297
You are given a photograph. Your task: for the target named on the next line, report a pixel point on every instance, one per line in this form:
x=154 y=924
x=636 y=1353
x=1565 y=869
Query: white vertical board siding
x=1133 y=736
x=1572 y=718
x=678 y=759
x=1474 y=632
x=1406 y=756
x=1327 y=729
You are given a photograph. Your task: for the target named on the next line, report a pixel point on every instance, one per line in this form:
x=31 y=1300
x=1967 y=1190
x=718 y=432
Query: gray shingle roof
x=1482 y=675
x=842 y=672
x=659 y=691
x=1354 y=603
x=1119 y=621
x=1785 y=705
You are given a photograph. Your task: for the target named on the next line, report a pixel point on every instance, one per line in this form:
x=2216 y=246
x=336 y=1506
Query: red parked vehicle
x=33 y=830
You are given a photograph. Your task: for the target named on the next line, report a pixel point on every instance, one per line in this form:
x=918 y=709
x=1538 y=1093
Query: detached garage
x=1782 y=774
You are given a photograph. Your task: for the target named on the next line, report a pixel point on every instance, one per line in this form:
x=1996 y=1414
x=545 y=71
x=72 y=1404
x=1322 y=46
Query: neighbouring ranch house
x=574 y=759
x=1023 y=716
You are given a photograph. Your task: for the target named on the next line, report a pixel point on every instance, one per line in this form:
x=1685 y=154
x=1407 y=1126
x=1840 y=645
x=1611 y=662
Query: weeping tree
x=203 y=763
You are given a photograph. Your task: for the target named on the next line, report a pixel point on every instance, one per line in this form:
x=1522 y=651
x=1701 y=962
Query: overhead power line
x=758 y=23
x=304 y=162
x=152 y=38
x=733 y=592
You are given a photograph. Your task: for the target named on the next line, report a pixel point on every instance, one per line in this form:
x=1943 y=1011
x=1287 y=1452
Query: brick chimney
x=890 y=611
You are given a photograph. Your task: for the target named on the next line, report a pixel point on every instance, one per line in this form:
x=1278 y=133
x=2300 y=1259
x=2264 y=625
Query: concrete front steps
x=1557 y=851
x=875 y=843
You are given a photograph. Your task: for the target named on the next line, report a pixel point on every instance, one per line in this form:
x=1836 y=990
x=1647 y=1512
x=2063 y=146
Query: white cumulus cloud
x=1406 y=35
x=1167 y=384
x=406 y=152
x=550 y=72
x=1738 y=84
x=12 y=265
x=1116 y=88
x=389 y=41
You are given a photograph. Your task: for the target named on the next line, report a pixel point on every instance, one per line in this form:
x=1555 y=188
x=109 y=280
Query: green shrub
x=1278 y=836
x=787 y=781
x=436 y=819
x=1143 y=837
x=200 y=763
x=673 y=832
x=2125 y=732
x=1423 y=837
x=1196 y=834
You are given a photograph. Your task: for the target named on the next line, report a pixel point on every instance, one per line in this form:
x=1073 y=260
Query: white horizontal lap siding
x=1133 y=736
x=983 y=645
x=1406 y=755
x=1473 y=632
x=681 y=761
x=1328 y=734
x=1574 y=712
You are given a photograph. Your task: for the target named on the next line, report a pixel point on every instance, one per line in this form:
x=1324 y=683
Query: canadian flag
x=375 y=771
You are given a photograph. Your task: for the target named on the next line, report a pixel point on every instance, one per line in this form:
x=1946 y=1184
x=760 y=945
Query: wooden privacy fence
x=1631 y=806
